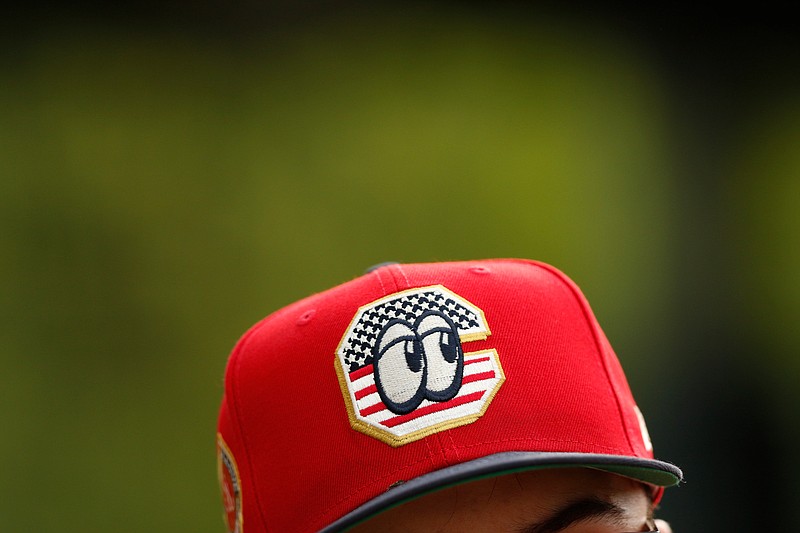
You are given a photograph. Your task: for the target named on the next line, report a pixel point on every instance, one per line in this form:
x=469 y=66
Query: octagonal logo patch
x=405 y=368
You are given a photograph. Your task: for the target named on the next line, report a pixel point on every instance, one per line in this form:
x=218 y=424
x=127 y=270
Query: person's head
x=435 y=397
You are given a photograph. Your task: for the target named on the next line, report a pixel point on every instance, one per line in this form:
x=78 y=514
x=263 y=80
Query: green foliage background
x=161 y=190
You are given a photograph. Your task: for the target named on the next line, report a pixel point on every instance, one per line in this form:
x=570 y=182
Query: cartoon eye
x=399 y=367
x=443 y=355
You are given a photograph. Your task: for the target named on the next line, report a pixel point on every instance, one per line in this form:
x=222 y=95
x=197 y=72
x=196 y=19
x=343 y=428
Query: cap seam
x=429 y=451
x=386 y=289
x=380 y=281
x=442 y=449
x=402 y=273
x=453 y=447
x=588 y=315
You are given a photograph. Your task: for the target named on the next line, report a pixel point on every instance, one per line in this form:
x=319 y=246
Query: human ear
x=663 y=527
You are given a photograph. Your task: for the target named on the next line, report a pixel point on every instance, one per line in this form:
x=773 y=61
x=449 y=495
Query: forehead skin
x=514 y=502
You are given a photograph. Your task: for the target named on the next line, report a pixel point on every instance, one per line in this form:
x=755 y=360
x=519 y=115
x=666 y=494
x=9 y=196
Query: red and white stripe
x=481 y=374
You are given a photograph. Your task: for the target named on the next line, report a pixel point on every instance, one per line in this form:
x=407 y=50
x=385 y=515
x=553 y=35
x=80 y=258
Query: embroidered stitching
x=402 y=369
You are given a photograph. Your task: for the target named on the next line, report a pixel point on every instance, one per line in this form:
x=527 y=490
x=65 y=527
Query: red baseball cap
x=415 y=377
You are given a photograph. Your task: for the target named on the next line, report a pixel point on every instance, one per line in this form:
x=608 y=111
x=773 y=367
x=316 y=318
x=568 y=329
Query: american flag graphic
x=482 y=373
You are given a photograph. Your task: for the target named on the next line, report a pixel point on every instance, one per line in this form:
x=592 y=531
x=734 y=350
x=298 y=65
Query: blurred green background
x=171 y=173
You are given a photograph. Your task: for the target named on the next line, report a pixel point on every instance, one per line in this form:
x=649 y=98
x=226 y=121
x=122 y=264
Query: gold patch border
x=395 y=440
x=385 y=436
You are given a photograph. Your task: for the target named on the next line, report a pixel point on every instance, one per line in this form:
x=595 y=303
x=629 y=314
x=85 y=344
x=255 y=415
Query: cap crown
x=307 y=447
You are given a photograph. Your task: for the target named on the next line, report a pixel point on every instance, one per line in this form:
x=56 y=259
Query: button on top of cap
x=380 y=265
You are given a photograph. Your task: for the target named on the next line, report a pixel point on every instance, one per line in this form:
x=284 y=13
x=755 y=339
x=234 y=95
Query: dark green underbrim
x=650 y=471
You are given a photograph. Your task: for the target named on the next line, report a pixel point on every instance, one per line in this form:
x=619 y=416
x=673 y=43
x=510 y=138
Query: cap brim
x=656 y=473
